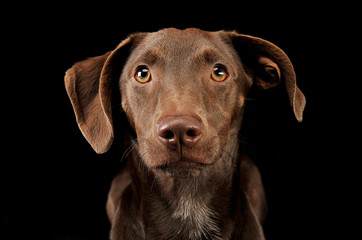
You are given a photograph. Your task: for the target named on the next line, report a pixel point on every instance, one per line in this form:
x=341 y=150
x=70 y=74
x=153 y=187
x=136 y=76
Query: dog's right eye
x=219 y=73
x=143 y=75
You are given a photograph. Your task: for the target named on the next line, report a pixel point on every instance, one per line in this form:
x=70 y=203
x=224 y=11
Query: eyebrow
x=206 y=55
x=152 y=56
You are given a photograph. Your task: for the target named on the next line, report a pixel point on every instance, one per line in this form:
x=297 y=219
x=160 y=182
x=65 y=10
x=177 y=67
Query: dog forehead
x=168 y=44
x=177 y=39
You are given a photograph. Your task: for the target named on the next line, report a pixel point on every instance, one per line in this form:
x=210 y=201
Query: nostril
x=192 y=133
x=167 y=134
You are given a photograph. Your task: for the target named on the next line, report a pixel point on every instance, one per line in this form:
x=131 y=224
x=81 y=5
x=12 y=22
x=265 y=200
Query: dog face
x=182 y=91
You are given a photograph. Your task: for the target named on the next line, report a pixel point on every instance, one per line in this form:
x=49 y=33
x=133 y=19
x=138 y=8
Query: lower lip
x=182 y=165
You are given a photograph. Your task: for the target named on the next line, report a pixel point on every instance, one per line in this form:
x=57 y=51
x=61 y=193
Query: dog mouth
x=184 y=158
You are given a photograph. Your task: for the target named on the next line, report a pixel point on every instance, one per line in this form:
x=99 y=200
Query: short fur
x=205 y=188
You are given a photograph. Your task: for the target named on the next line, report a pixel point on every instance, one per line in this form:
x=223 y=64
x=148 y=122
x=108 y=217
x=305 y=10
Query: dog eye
x=219 y=73
x=143 y=75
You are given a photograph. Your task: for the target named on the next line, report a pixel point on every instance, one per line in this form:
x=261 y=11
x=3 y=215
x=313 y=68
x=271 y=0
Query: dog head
x=183 y=92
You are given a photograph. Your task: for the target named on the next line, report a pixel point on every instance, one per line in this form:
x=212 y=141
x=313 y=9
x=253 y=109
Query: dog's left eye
x=219 y=73
x=143 y=75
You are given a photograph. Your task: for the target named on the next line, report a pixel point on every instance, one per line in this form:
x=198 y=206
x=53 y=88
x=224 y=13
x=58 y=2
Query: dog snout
x=179 y=130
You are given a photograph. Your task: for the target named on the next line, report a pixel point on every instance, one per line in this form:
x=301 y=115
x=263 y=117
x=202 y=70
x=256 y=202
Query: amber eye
x=143 y=75
x=219 y=73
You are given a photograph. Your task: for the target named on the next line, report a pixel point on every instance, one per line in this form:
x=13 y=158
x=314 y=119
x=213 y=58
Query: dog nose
x=178 y=130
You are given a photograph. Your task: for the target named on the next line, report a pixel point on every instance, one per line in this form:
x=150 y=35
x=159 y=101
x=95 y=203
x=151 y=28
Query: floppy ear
x=270 y=67
x=88 y=84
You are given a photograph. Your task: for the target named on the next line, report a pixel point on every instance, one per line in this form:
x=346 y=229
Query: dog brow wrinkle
x=206 y=56
x=153 y=55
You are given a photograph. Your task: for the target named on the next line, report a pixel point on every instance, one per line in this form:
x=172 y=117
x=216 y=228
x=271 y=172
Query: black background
x=54 y=186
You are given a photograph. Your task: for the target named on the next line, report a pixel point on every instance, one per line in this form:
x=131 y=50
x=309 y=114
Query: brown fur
x=202 y=189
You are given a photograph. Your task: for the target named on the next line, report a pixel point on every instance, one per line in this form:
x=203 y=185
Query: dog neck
x=186 y=205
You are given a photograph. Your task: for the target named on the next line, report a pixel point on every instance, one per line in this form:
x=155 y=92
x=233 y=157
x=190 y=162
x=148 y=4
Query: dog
x=183 y=94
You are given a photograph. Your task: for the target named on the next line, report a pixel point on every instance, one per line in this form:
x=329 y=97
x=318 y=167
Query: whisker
x=128 y=151
x=142 y=156
x=226 y=159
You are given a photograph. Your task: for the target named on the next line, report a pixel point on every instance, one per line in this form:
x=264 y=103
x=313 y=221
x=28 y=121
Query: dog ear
x=88 y=84
x=270 y=67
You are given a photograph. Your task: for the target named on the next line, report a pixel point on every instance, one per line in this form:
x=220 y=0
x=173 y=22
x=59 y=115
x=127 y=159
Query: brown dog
x=183 y=92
